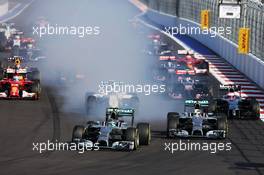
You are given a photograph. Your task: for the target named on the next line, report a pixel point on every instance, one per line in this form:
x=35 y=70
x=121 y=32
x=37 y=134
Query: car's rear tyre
x=1 y=73
x=36 y=89
x=255 y=108
x=34 y=75
x=144 y=133
x=219 y=106
x=222 y=123
x=131 y=134
x=204 y=65
x=77 y=132
x=172 y=122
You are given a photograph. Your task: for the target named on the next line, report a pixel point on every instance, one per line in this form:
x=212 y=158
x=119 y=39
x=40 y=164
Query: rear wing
x=231 y=87
x=167 y=58
x=18 y=71
x=153 y=36
x=185 y=72
x=185 y=52
x=120 y=112
x=193 y=103
x=192 y=53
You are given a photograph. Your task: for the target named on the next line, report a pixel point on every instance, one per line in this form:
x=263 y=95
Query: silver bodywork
x=104 y=136
x=197 y=127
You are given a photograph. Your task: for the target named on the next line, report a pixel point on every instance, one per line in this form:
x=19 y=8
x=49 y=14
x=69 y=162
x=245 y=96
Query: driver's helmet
x=197 y=112
x=111 y=123
x=188 y=79
x=16 y=78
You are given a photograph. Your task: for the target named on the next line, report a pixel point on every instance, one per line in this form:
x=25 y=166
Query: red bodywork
x=153 y=36
x=190 y=61
x=15 y=87
x=27 y=40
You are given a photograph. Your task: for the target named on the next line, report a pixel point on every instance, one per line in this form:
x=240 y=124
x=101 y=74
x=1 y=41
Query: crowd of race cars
x=207 y=107
x=17 y=80
x=185 y=74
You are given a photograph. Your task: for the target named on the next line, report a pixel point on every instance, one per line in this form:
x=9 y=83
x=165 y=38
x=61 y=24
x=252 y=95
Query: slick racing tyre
x=1 y=73
x=144 y=133
x=222 y=124
x=172 y=121
x=34 y=75
x=255 y=108
x=77 y=132
x=219 y=106
x=131 y=134
x=204 y=65
x=36 y=89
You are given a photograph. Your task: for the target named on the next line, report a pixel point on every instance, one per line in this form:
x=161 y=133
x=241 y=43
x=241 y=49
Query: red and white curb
x=227 y=74
x=139 y=5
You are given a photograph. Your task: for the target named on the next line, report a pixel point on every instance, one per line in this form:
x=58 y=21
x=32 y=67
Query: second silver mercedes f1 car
x=197 y=122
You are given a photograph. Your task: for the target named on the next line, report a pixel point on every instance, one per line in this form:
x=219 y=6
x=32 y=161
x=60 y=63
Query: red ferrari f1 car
x=19 y=83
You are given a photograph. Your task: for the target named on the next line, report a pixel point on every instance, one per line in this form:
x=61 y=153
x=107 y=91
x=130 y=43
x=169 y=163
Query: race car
x=175 y=90
x=25 y=47
x=235 y=105
x=8 y=29
x=27 y=42
x=193 y=62
x=19 y=83
x=114 y=133
x=189 y=87
x=160 y=74
x=168 y=61
x=196 y=122
x=30 y=54
x=166 y=66
x=156 y=46
x=202 y=91
x=95 y=101
x=7 y=32
x=179 y=85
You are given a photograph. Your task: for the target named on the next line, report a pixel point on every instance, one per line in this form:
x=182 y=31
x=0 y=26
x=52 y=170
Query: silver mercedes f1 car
x=114 y=133
x=196 y=122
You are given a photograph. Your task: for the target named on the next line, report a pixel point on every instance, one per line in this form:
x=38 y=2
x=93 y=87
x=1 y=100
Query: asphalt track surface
x=24 y=122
